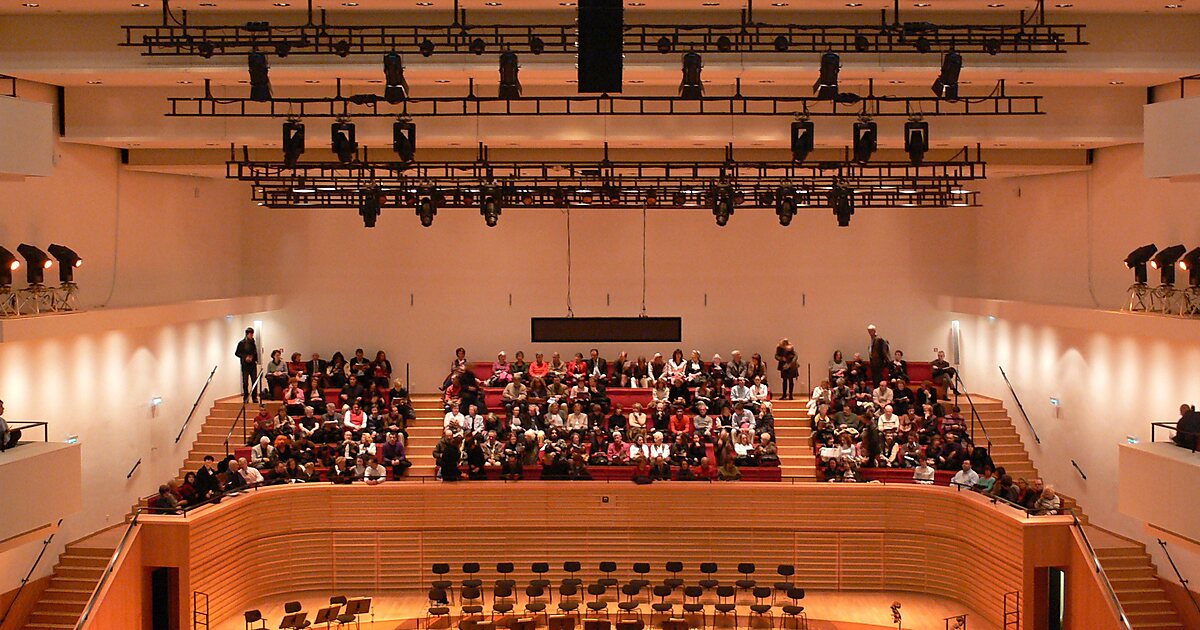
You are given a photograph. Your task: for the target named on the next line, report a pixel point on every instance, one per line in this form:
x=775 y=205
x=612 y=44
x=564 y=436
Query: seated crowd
x=701 y=419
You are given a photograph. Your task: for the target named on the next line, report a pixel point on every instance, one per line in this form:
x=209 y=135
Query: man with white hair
x=263 y=455
x=736 y=368
x=878 y=354
x=249 y=473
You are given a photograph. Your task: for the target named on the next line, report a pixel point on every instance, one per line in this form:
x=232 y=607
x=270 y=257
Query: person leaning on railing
x=1187 y=429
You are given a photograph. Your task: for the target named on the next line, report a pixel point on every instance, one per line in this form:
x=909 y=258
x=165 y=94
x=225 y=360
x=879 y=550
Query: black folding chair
x=785 y=571
x=572 y=567
x=747 y=583
x=608 y=568
x=292 y=608
x=503 y=600
x=725 y=604
x=471 y=601
x=631 y=591
x=761 y=607
x=471 y=569
x=662 y=606
x=674 y=568
x=439 y=605
x=540 y=569
x=642 y=569
x=533 y=604
x=255 y=616
x=568 y=603
x=692 y=604
x=794 y=610
x=442 y=569
x=597 y=605
x=710 y=569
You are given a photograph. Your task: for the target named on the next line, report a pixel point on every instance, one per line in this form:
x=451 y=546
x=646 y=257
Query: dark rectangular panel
x=601 y=41
x=605 y=329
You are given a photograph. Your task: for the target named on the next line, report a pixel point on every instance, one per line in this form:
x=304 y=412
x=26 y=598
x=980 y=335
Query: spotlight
x=426 y=210
x=651 y=198
x=1164 y=261
x=369 y=209
x=478 y=46
x=343 y=139
x=861 y=43
x=1137 y=259
x=782 y=44
x=826 y=87
x=803 y=139
x=946 y=85
x=991 y=46
x=923 y=45
x=8 y=264
x=1191 y=264
x=692 y=87
x=537 y=45
x=490 y=209
x=36 y=263
x=724 y=44
x=866 y=139
x=396 y=90
x=426 y=47
x=842 y=200
x=282 y=49
x=723 y=205
x=510 y=82
x=260 y=81
x=341 y=48
x=916 y=140
x=664 y=44
x=206 y=49
x=293 y=142
x=785 y=207
x=404 y=139
x=67 y=259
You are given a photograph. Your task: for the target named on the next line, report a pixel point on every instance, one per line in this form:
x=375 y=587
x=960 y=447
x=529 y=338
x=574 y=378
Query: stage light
x=293 y=142
x=842 y=200
x=477 y=46
x=36 y=263
x=260 y=80
x=369 y=209
x=537 y=45
x=1164 y=261
x=861 y=43
x=344 y=141
x=341 y=48
x=1191 y=264
x=826 y=87
x=8 y=264
x=1137 y=259
x=991 y=46
x=782 y=44
x=946 y=85
x=490 y=209
x=692 y=87
x=923 y=45
x=724 y=44
x=916 y=140
x=396 y=90
x=866 y=139
x=404 y=139
x=510 y=81
x=785 y=207
x=282 y=49
x=723 y=205
x=67 y=259
x=426 y=210
x=803 y=139
x=206 y=49
x=426 y=47
x=664 y=44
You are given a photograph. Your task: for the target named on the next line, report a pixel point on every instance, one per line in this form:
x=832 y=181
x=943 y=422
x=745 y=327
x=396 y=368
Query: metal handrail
x=21 y=426
x=1182 y=580
x=195 y=404
x=242 y=414
x=108 y=570
x=1112 y=594
x=975 y=417
x=1171 y=426
x=32 y=568
x=1019 y=405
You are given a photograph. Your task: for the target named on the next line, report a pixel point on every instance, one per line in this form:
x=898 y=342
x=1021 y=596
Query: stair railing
x=1182 y=580
x=1019 y=405
x=25 y=580
x=975 y=417
x=1112 y=594
x=195 y=404
x=242 y=415
x=108 y=570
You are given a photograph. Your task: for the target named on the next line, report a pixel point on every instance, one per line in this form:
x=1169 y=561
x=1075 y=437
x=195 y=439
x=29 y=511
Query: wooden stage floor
x=827 y=610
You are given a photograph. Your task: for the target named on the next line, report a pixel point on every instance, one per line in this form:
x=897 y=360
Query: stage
x=828 y=610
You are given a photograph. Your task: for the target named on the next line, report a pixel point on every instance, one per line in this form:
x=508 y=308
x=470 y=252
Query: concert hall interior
x=599 y=315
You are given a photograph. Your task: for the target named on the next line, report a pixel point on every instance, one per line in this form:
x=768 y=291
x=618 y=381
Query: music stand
x=294 y=620
x=523 y=623
x=597 y=624
x=675 y=624
x=562 y=622
x=328 y=615
x=358 y=606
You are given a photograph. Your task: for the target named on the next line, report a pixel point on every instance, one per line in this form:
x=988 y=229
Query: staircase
x=75 y=577
x=424 y=433
x=793 y=437
x=211 y=439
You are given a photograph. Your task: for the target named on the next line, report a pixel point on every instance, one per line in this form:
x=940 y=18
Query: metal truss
x=612 y=184
x=177 y=37
x=996 y=103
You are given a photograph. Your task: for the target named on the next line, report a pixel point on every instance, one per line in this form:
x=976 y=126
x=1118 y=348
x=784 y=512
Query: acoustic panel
x=27 y=128
x=601 y=46
x=605 y=329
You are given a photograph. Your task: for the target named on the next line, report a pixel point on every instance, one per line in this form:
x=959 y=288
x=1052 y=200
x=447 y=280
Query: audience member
x=9 y=438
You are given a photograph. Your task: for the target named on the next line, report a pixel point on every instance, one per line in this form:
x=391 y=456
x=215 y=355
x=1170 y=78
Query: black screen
x=601 y=43
x=601 y=329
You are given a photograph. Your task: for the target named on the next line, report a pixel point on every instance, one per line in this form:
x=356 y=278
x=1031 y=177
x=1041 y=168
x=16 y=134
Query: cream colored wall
x=1112 y=376
x=420 y=292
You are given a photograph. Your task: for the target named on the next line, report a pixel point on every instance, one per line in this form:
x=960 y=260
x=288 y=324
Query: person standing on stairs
x=247 y=354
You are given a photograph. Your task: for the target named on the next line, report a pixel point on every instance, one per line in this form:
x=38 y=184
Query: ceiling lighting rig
x=998 y=102
x=176 y=36
x=723 y=186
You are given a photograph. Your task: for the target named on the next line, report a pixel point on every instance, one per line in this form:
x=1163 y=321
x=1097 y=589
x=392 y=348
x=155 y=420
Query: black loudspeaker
x=601 y=43
x=164 y=613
